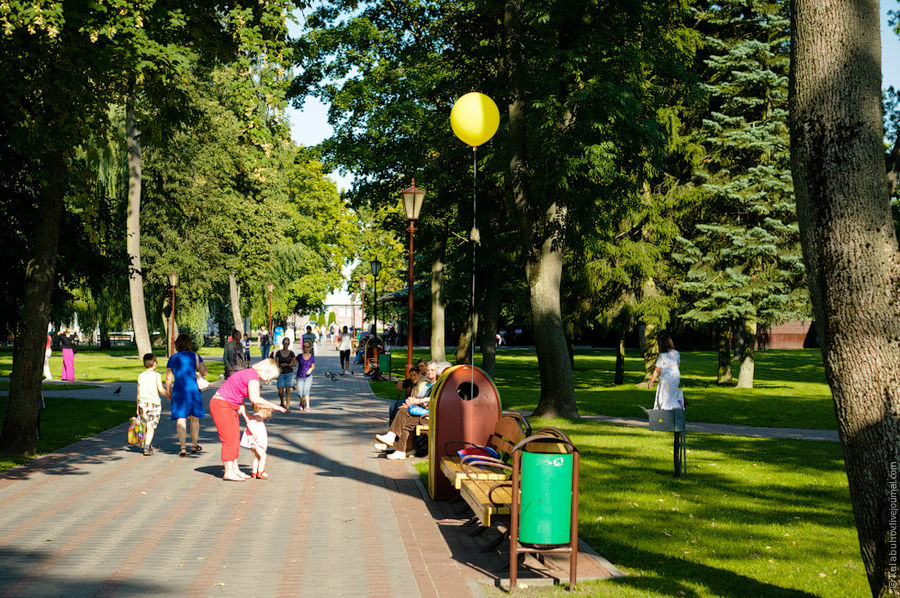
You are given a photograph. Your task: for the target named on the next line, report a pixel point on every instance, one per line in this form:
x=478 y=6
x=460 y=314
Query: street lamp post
x=412 y=204
x=173 y=280
x=269 y=287
x=362 y=290
x=376 y=268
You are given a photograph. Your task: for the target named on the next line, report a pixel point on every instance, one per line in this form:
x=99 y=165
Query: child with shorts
x=149 y=406
x=256 y=438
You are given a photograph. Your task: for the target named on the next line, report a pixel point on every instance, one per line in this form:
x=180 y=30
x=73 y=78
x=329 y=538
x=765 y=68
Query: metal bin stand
x=544 y=510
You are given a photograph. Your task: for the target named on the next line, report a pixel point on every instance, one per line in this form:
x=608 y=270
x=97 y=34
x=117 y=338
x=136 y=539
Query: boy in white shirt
x=149 y=406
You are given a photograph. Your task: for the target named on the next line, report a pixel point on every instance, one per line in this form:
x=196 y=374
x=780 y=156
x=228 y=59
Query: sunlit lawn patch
x=64 y=421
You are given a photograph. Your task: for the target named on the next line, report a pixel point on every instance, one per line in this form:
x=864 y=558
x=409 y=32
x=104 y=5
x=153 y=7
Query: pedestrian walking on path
x=181 y=386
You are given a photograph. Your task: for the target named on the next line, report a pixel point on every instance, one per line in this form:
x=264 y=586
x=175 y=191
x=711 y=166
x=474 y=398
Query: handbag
x=135 y=431
x=417 y=410
x=202 y=383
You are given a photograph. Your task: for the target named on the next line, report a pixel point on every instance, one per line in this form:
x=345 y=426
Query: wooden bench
x=510 y=429
x=488 y=499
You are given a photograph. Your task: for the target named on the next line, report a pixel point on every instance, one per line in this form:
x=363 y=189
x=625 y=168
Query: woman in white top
x=668 y=395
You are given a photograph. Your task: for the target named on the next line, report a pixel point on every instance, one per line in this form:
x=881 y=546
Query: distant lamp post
x=376 y=268
x=269 y=287
x=362 y=288
x=412 y=204
x=173 y=280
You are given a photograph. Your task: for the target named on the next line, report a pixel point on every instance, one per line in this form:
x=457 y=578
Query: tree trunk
x=18 y=435
x=438 y=328
x=103 y=301
x=851 y=254
x=557 y=381
x=723 y=348
x=490 y=309
x=619 y=377
x=466 y=338
x=133 y=235
x=543 y=240
x=649 y=334
x=234 y=292
x=748 y=354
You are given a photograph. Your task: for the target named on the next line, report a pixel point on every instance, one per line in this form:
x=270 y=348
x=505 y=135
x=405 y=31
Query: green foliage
x=742 y=258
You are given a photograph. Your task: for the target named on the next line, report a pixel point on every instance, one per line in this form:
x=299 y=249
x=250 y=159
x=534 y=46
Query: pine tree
x=743 y=259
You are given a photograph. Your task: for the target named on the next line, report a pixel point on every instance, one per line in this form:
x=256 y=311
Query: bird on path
x=117 y=391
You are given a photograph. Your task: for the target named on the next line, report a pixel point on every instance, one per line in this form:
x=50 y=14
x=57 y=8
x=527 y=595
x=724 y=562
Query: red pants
x=228 y=425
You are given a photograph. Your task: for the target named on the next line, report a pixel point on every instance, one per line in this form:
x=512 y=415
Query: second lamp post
x=412 y=204
x=376 y=268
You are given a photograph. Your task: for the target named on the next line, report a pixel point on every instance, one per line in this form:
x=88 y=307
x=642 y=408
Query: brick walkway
x=335 y=518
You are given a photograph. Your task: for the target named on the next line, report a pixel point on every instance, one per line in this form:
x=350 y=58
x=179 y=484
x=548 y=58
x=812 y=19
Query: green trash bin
x=384 y=363
x=546 y=499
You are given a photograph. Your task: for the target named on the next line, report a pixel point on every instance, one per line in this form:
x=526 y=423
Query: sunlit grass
x=118 y=365
x=753 y=516
x=64 y=421
x=789 y=387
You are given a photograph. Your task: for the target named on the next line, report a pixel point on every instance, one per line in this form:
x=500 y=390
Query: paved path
x=335 y=519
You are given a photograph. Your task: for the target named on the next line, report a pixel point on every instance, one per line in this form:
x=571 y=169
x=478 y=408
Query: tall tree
x=743 y=257
x=62 y=66
x=851 y=253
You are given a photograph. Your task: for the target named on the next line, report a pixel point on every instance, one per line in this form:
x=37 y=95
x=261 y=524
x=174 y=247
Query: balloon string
x=475 y=240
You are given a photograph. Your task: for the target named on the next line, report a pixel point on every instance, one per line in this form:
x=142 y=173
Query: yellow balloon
x=474 y=118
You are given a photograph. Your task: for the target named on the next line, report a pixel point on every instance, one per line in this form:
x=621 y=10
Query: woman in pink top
x=224 y=405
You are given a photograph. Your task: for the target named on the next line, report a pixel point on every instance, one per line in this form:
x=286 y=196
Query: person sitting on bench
x=401 y=434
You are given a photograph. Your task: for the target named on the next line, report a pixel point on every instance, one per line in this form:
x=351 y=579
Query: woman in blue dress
x=181 y=382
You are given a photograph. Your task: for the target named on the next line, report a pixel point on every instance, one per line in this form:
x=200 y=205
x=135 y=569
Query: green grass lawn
x=117 y=365
x=789 y=387
x=65 y=421
x=753 y=517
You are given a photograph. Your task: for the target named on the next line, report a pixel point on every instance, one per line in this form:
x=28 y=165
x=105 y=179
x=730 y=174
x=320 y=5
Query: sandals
x=182 y=453
x=148 y=450
x=196 y=448
x=259 y=476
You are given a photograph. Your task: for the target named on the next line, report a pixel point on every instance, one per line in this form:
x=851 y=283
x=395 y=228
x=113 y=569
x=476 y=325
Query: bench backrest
x=510 y=429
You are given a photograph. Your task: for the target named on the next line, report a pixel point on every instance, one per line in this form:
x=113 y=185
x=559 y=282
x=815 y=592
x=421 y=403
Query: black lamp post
x=376 y=268
x=362 y=290
x=173 y=280
x=412 y=204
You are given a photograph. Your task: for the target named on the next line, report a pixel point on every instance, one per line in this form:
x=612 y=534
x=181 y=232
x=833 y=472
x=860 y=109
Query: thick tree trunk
x=133 y=235
x=851 y=254
x=557 y=382
x=543 y=239
x=234 y=293
x=438 y=325
x=748 y=354
x=723 y=350
x=18 y=436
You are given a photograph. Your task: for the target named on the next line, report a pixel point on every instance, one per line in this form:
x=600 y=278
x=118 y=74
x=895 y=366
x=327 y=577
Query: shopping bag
x=135 y=431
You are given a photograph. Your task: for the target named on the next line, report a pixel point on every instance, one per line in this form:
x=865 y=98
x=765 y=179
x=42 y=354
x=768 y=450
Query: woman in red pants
x=224 y=405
